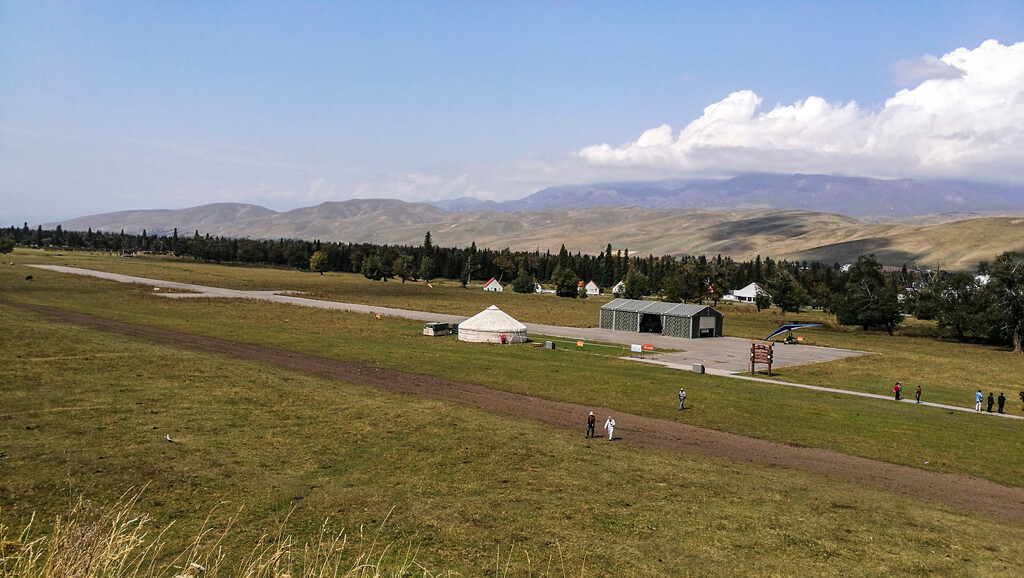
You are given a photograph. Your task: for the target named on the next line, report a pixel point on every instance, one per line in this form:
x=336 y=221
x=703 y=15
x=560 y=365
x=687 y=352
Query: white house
x=745 y=295
x=592 y=288
x=618 y=287
x=493 y=285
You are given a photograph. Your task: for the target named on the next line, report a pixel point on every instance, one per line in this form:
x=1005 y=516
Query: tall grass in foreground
x=116 y=541
x=102 y=541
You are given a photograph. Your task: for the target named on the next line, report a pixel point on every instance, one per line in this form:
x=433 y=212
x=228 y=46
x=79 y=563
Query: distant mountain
x=852 y=196
x=740 y=233
x=164 y=221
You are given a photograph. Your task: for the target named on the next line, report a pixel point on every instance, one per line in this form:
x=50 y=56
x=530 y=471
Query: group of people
x=978 y=398
x=609 y=426
x=897 y=390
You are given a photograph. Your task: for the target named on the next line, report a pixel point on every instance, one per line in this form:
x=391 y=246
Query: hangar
x=672 y=319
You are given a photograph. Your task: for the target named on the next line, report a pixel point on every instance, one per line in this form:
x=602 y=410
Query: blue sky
x=132 y=105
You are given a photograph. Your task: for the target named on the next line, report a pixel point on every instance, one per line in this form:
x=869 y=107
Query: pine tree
x=427 y=250
x=608 y=278
x=523 y=283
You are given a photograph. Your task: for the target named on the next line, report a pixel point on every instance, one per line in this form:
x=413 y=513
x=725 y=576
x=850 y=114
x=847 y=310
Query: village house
x=745 y=295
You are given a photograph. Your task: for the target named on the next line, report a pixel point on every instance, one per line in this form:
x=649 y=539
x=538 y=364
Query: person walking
x=977 y=400
x=591 y=421
x=991 y=401
x=682 y=398
x=917 y=394
x=896 y=389
x=1002 y=401
x=609 y=425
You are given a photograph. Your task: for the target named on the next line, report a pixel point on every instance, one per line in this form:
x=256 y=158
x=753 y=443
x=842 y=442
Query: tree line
x=988 y=307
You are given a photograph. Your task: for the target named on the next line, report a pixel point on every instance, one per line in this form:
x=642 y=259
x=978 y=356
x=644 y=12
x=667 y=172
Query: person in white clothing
x=609 y=425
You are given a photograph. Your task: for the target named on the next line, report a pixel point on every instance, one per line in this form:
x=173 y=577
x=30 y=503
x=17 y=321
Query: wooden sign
x=761 y=352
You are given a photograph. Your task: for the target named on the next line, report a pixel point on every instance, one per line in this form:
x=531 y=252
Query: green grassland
x=86 y=412
x=949 y=372
x=900 y=433
x=439 y=296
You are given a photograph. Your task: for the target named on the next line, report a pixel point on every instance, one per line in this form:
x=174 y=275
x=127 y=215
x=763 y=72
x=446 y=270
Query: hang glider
x=790 y=328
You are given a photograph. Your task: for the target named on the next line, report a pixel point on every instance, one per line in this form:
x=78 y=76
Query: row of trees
x=985 y=308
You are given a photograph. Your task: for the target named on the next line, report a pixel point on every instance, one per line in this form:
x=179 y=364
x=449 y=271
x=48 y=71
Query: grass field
x=86 y=412
x=80 y=408
x=897 y=433
x=949 y=372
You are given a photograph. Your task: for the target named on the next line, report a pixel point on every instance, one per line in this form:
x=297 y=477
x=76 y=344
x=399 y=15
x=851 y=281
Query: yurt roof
x=492 y=319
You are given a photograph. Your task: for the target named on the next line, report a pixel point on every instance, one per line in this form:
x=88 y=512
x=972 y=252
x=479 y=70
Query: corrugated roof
x=654 y=307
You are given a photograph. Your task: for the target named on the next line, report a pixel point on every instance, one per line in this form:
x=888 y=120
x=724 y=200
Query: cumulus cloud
x=927 y=67
x=966 y=119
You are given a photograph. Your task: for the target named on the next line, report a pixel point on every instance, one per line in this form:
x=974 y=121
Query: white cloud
x=969 y=124
x=927 y=67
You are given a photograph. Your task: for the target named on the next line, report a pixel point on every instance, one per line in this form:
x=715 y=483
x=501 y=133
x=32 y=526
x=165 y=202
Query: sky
x=110 y=106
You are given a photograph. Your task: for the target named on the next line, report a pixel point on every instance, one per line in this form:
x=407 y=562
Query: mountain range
x=772 y=215
x=876 y=199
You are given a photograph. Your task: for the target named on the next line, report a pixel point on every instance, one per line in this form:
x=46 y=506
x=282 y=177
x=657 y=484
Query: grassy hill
x=741 y=234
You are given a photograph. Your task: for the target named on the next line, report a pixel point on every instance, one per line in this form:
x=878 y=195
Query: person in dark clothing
x=896 y=389
x=991 y=401
x=1002 y=401
x=917 y=394
x=591 y=420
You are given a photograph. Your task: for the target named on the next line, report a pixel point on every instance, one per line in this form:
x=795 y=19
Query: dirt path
x=959 y=491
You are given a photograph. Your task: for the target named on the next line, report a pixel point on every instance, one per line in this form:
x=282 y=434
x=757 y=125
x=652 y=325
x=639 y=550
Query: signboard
x=636 y=348
x=761 y=352
x=648 y=347
x=579 y=343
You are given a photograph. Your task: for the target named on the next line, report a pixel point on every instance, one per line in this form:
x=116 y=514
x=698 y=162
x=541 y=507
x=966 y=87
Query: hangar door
x=707 y=326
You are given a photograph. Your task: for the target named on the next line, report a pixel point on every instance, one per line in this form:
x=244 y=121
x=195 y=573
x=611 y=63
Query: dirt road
x=959 y=491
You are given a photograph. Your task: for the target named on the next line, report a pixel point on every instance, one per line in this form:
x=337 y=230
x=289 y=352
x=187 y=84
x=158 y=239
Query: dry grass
x=98 y=541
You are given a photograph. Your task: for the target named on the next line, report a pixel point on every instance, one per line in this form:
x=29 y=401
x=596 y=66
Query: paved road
x=724 y=356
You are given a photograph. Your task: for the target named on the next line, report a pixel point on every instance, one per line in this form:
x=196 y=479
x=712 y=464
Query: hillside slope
x=742 y=234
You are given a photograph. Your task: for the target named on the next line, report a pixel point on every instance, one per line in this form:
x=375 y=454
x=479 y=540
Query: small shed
x=436 y=329
x=618 y=287
x=493 y=285
x=592 y=288
x=672 y=319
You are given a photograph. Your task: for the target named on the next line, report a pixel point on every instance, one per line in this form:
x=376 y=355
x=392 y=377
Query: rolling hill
x=740 y=233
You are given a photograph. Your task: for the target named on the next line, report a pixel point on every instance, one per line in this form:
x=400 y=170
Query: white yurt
x=489 y=325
